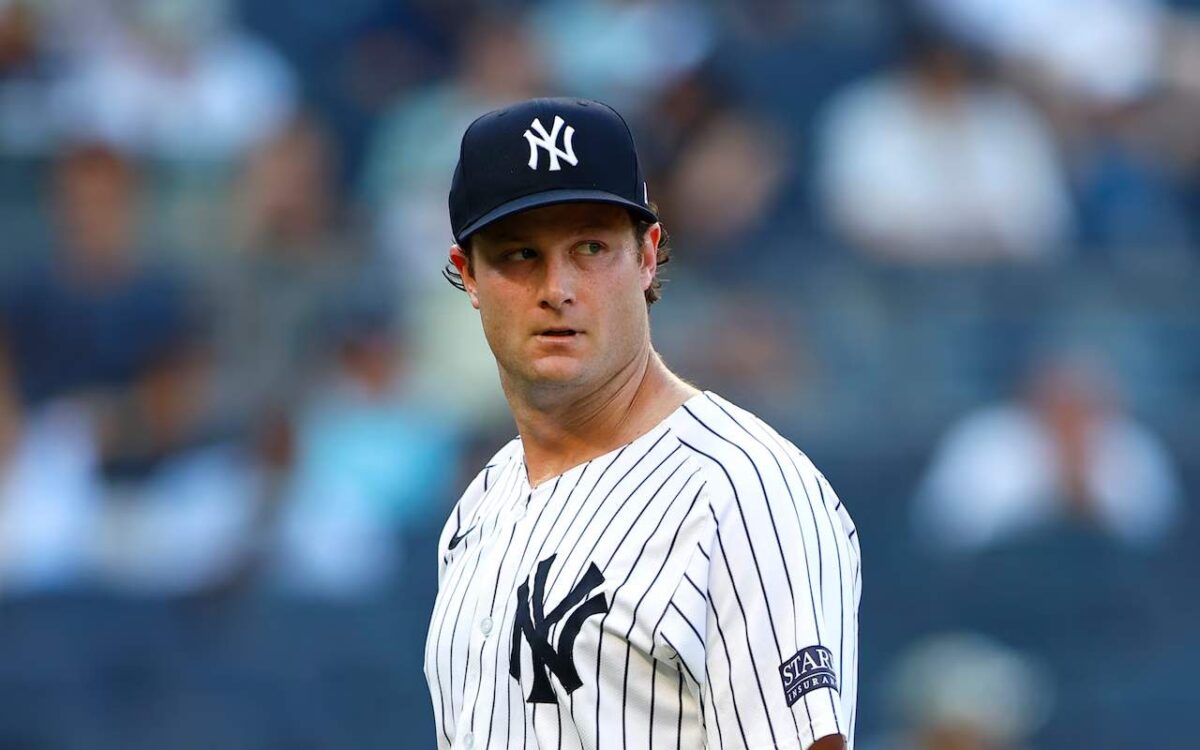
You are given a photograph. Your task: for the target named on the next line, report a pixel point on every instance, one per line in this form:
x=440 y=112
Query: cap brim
x=550 y=198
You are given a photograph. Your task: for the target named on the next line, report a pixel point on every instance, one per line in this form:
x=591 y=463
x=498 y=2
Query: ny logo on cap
x=549 y=141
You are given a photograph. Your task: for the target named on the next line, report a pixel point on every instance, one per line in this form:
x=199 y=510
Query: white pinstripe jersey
x=697 y=587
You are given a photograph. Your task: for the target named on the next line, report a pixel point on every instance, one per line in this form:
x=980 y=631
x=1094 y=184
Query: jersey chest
x=550 y=598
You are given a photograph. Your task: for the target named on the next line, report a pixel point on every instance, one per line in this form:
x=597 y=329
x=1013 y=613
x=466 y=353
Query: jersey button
x=468 y=741
x=485 y=626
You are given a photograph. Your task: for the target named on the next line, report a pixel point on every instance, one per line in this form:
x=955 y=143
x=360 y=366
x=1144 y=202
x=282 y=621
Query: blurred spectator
x=294 y=260
x=722 y=186
x=931 y=163
x=70 y=321
x=1065 y=452
x=173 y=79
x=786 y=59
x=182 y=497
x=288 y=203
x=407 y=183
x=1108 y=72
x=370 y=462
x=622 y=52
x=1102 y=50
x=963 y=691
x=714 y=168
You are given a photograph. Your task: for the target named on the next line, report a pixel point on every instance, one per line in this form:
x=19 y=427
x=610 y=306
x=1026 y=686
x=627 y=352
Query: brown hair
x=640 y=228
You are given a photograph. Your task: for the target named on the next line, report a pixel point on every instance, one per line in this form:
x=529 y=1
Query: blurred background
x=949 y=247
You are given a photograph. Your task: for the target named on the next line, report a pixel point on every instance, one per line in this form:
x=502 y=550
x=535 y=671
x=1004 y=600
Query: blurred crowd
x=957 y=238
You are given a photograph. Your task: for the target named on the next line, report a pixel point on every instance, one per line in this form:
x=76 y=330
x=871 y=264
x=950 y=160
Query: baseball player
x=646 y=564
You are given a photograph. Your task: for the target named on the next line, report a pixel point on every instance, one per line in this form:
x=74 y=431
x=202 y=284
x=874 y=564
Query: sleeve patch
x=811 y=668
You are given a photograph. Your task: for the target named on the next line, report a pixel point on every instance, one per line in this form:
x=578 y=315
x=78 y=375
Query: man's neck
x=562 y=432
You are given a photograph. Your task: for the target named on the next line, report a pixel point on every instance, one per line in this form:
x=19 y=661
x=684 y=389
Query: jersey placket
x=492 y=598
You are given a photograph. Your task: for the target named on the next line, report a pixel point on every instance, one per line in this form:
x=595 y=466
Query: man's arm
x=832 y=742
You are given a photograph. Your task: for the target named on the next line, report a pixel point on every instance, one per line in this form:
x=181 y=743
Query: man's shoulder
x=754 y=477
x=734 y=446
x=711 y=424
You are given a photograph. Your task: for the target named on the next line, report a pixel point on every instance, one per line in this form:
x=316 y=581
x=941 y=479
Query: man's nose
x=558 y=282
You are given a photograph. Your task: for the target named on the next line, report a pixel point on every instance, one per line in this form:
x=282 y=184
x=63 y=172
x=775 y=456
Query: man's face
x=561 y=292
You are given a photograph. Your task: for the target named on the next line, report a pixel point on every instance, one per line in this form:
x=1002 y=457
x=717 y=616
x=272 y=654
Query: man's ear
x=648 y=254
x=462 y=264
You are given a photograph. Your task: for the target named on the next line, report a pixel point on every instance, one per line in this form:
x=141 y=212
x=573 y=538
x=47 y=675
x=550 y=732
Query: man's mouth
x=559 y=332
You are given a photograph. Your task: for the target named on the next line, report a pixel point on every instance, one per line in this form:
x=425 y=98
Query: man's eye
x=590 y=248
x=524 y=253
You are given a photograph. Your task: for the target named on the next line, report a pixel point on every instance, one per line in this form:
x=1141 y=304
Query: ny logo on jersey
x=549 y=141
x=533 y=622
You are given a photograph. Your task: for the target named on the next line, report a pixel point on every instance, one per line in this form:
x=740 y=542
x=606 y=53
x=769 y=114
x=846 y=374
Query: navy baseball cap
x=541 y=152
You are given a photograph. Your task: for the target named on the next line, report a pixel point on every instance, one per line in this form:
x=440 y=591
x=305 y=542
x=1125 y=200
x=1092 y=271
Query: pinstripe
x=690 y=624
x=679 y=724
x=502 y=618
x=778 y=543
x=841 y=601
x=562 y=507
x=817 y=533
x=771 y=514
x=856 y=594
x=600 y=637
x=454 y=630
x=590 y=519
x=757 y=570
x=461 y=580
x=701 y=688
x=554 y=524
x=833 y=530
x=749 y=647
x=439 y=696
x=583 y=532
x=749 y=537
x=729 y=673
x=686 y=668
x=637 y=606
x=650 y=724
x=483 y=646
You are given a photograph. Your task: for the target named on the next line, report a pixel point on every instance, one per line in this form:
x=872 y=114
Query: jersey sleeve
x=772 y=597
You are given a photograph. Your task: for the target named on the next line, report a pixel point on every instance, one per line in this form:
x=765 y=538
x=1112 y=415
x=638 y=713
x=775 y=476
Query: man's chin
x=554 y=368
x=556 y=371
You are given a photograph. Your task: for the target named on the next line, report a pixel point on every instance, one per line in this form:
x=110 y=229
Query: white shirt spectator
x=211 y=99
x=998 y=474
x=923 y=179
x=1106 y=50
